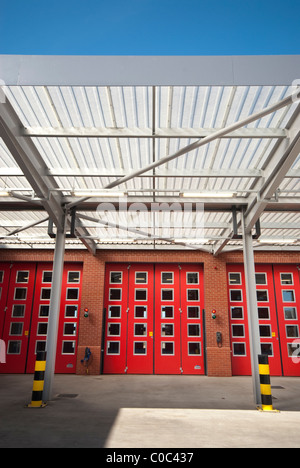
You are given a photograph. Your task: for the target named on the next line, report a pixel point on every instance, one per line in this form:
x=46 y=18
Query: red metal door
x=116 y=305
x=140 y=320
x=67 y=337
x=16 y=326
x=4 y=282
x=267 y=314
x=167 y=319
x=240 y=347
x=191 y=305
x=288 y=305
x=269 y=337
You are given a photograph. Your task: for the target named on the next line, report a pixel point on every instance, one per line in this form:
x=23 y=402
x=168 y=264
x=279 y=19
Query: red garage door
x=24 y=315
x=277 y=292
x=153 y=322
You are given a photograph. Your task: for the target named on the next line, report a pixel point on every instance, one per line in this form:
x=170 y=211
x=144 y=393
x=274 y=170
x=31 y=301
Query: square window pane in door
x=42 y=329
x=44 y=310
x=193 y=295
x=47 y=277
x=16 y=329
x=20 y=294
x=192 y=278
x=237 y=313
x=116 y=277
x=167 y=348
x=71 y=311
x=286 y=278
x=235 y=278
x=239 y=349
x=115 y=294
x=72 y=294
x=193 y=312
x=293 y=349
x=290 y=313
x=167 y=277
x=140 y=329
x=263 y=313
x=68 y=347
x=167 y=329
x=265 y=331
x=22 y=277
x=45 y=294
x=261 y=278
x=141 y=294
x=74 y=277
x=141 y=277
x=70 y=329
x=140 y=347
x=288 y=296
x=292 y=331
x=238 y=331
x=40 y=346
x=113 y=347
x=14 y=347
x=262 y=295
x=114 y=329
x=167 y=312
x=1 y=276
x=266 y=348
x=140 y=312
x=236 y=295
x=18 y=310
x=194 y=329
x=114 y=312
x=167 y=294
x=194 y=348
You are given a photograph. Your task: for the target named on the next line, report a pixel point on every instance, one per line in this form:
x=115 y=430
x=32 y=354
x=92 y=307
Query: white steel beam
x=85 y=132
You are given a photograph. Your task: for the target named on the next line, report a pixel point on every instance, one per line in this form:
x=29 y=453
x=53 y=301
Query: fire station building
x=149 y=214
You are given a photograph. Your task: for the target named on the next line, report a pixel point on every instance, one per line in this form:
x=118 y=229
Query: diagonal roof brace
x=281 y=162
x=30 y=162
x=34 y=169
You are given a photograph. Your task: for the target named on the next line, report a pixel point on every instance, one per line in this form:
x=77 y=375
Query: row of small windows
x=141 y=277
x=261 y=278
x=238 y=331
x=15 y=346
x=18 y=310
x=239 y=349
x=140 y=348
x=167 y=312
x=262 y=295
x=140 y=329
x=23 y=276
x=20 y=294
x=115 y=294
x=16 y=329
x=290 y=313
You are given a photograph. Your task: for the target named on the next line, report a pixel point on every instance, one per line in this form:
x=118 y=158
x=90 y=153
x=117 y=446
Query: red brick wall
x=215 y=286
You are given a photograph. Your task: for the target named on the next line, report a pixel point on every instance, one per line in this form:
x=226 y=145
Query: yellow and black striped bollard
x=38 y=384
x=265 y=383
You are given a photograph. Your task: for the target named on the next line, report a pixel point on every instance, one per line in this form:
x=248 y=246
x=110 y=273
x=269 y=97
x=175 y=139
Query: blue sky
x=149 y=27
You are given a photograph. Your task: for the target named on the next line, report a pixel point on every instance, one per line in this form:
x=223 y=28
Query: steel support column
x=253 y=323
x=54 y=313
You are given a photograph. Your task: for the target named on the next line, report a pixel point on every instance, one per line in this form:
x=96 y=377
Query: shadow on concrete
x=84 y=408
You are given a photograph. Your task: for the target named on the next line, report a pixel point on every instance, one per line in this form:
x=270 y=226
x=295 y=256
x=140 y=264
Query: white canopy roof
x=150 y=152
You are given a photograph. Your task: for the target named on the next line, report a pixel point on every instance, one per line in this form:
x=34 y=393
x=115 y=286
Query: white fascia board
x=36 y=70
